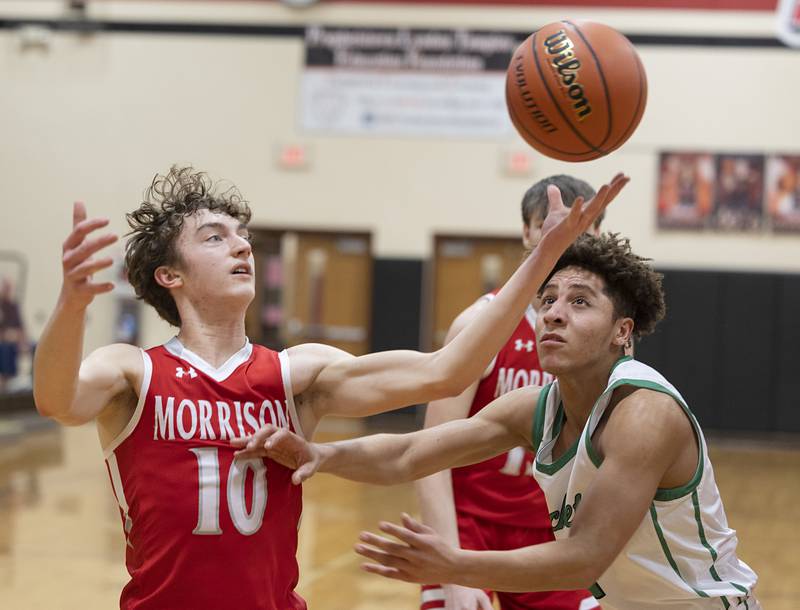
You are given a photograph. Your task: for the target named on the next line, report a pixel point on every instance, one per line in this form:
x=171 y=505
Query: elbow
x=587 y=574
x=43 y=406
x=445 y=381
x=445 y=388
x=587 y=578
x=402 y=471
x=49 y=410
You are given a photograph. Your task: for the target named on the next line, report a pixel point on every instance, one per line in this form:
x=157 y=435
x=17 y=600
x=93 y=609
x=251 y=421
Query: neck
x=215 y=339
x=581 y=389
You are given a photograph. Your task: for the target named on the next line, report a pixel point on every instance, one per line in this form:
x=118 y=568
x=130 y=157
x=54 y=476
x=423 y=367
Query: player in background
x=622 y=461
x=497 y=504
x=205 y=529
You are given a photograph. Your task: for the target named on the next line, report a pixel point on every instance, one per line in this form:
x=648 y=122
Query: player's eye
x=214 y=237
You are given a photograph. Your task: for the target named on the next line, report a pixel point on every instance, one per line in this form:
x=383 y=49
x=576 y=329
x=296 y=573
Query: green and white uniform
x=683 y=554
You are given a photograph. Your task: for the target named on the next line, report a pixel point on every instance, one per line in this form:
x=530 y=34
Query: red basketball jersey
x=205 y=530
x=502 y=489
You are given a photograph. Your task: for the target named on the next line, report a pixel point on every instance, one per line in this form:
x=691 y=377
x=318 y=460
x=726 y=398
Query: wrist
x=70 y=305
x=324 y=452
x=466 y=569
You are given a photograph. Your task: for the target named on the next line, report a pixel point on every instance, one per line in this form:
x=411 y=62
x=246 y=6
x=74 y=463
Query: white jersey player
x=636 y=512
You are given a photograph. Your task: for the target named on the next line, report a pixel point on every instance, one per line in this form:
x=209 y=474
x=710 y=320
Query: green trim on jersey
x=671 y=560
x=597 y=591
x=668 y=553
x=704 y=541
x=538 y=418
x=662 y=495
x=618 y=362
x=554 y=467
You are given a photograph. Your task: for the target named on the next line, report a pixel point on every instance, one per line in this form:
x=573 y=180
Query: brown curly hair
x=157 y=222
x=632 y=284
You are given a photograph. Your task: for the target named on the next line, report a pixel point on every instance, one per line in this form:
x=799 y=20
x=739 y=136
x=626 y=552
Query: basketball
x=576 y=90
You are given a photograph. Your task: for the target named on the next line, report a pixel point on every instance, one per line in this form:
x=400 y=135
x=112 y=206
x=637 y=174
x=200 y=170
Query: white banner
x=400 y=103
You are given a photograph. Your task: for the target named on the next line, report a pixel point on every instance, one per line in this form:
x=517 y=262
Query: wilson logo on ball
x=567 y=64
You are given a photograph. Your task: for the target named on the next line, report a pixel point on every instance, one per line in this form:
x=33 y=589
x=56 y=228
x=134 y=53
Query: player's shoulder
x=117 y=354
x=307 y=361
x=316 y=352
x=521 y=400
x=462 y=320
x=638 y=413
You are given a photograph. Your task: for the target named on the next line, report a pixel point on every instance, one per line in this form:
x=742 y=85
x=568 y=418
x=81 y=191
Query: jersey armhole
x=538 y=418
x=663 y=494
x=286 y=376
x=147 y=373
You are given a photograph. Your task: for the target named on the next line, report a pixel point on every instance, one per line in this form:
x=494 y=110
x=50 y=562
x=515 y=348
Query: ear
x=168 y=277
x=623 y=337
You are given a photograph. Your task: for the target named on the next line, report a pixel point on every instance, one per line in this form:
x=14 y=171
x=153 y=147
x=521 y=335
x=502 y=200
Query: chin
x=554 y=365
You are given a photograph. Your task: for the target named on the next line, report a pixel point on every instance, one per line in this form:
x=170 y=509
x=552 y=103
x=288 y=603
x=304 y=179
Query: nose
x=242 y=247
x=554 y=315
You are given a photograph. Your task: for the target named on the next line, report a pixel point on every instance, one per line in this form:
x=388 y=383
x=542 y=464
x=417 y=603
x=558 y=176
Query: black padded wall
x=731 y=345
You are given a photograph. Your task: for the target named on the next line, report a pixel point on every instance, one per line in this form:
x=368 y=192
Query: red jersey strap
x=147 y=375
x=286 y=376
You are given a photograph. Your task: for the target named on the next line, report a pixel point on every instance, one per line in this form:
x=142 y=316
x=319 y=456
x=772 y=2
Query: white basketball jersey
x=683 y=554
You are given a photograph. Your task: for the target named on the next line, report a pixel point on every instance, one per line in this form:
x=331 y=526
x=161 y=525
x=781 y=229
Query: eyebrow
x=219 y=225
x=584 y=287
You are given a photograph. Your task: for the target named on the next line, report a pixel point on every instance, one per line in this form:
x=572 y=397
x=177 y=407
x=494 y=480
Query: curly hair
x=157 y=222
x=534 y=202
x=632 y=284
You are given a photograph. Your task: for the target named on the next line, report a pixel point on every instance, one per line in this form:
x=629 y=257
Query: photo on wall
x=782 y=198
x=686 y=190
x=739 y=192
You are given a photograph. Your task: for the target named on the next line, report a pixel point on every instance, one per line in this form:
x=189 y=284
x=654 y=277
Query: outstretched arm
x=64 y=389
x=645 y=445
x=387 y=459
x=331 y=382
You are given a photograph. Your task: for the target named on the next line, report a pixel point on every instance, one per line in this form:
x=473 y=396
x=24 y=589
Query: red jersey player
x=496 y=504
x=205 y=529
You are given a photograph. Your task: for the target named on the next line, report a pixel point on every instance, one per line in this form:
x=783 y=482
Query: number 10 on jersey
x=246 y=522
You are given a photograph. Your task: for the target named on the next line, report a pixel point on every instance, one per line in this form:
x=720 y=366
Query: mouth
x=551 y=338
x=242 y=269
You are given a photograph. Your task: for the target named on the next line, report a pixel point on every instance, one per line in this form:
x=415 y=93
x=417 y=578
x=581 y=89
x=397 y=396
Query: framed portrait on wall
x=739 y=192
x=782 y=192
x=686 y=190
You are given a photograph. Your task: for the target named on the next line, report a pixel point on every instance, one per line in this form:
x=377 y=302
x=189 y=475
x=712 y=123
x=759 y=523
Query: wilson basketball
x=576 y=90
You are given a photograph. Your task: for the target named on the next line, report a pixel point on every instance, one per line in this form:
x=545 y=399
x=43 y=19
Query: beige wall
x=94 y=118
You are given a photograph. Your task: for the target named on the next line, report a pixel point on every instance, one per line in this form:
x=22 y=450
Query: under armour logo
x=179 y=372
x=519 y=345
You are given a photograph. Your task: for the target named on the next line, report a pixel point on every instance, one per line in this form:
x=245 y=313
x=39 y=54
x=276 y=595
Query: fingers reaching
x=415 y=526
x=78 y=213
x=380 y=570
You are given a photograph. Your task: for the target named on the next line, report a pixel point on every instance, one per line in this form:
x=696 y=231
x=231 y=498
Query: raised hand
x=77 y=260
x=563 y=225
x=284 y=447
x=421 y=556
